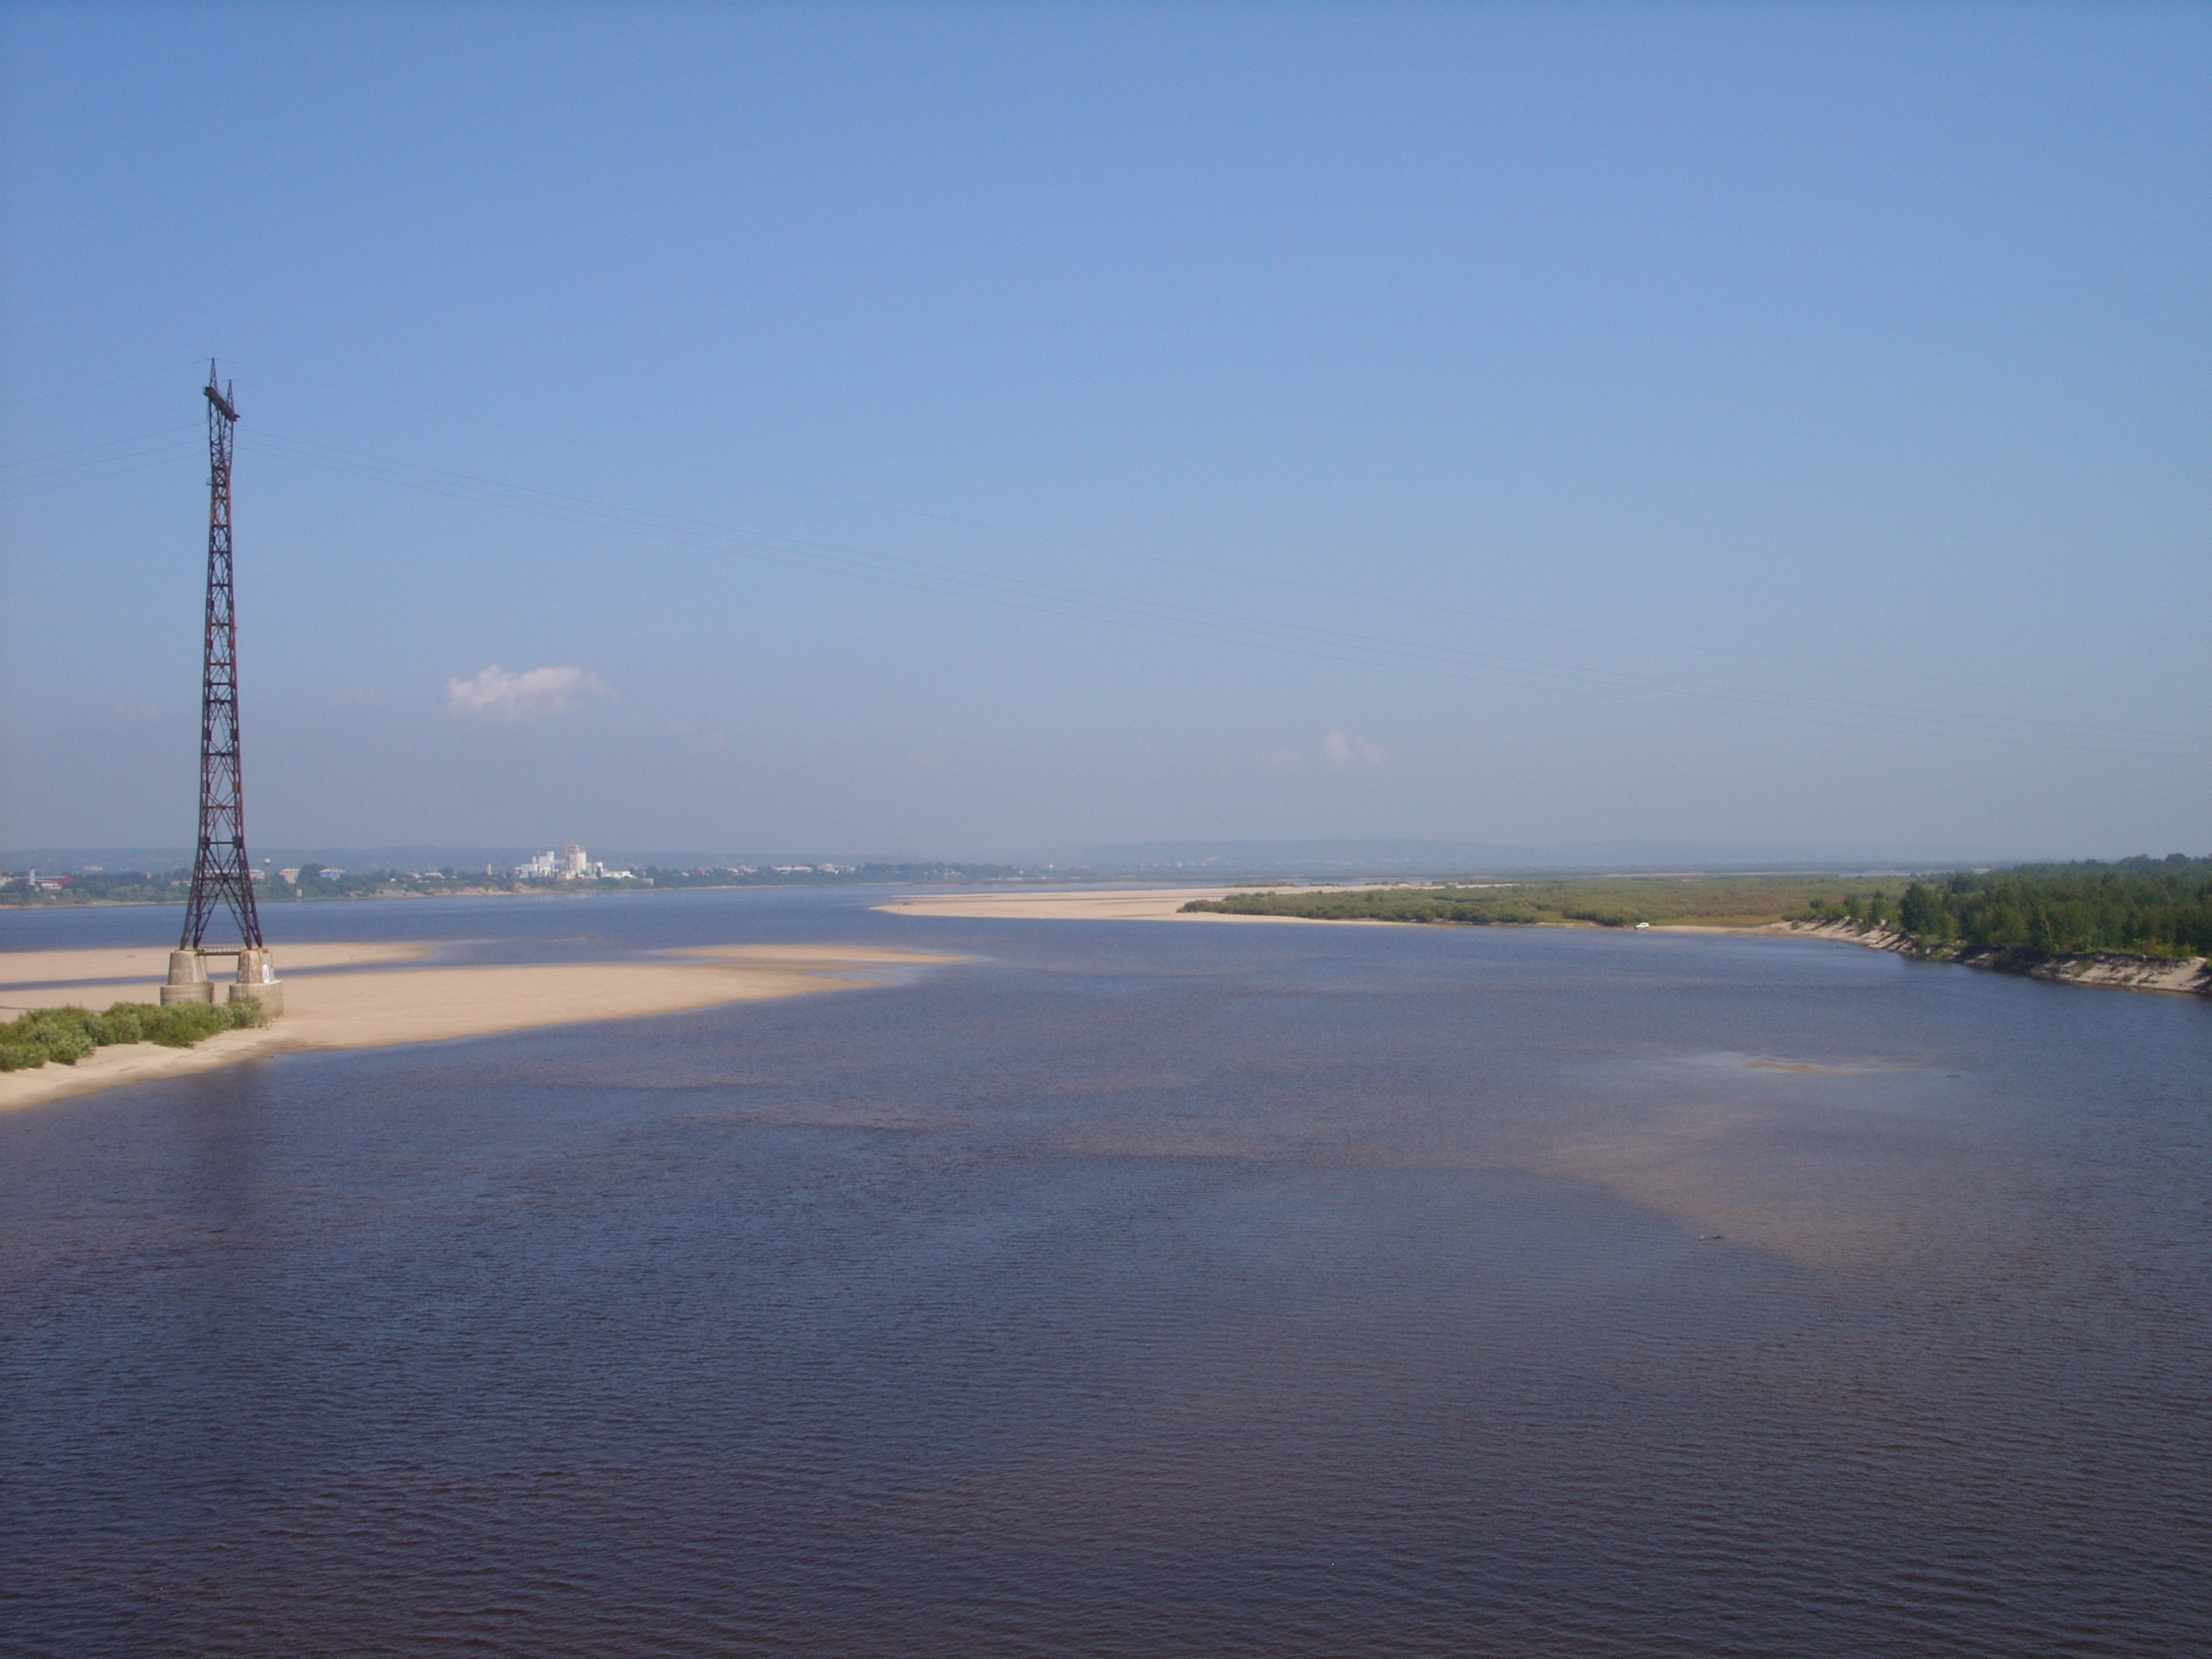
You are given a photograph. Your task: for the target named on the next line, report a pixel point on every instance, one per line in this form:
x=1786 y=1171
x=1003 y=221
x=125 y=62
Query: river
x=1130 y=1290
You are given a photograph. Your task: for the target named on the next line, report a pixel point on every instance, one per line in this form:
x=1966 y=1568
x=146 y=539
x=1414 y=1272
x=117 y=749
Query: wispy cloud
x=497 y=695
x=1340 y=750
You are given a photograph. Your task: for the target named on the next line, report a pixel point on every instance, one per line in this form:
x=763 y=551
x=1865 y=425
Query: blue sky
x=953 y=429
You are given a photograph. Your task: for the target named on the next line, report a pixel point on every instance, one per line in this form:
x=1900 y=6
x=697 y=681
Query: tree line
x=2137 y=906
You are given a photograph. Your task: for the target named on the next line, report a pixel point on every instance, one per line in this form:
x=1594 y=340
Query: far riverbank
x=2113 y=969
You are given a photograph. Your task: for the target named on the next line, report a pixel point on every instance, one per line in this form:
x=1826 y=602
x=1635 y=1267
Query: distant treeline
x=323 y=881
x=845 y=875
x=2137 y=906
x=99 y=887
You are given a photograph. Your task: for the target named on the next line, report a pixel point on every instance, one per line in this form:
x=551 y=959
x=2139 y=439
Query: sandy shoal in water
x=93 y=979
x=1147 y=904
x=432 y=1005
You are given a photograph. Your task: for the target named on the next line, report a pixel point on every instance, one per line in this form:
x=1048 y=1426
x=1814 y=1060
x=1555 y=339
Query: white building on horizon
x=571 y=863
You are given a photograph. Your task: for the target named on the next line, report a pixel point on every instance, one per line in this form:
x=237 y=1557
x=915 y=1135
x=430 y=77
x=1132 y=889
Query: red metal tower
x=221 y=874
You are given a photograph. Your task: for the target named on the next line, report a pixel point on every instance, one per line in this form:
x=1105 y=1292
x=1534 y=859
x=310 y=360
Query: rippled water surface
x=1132 y=1290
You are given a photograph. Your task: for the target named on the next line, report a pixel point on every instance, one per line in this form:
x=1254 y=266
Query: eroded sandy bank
x=431 y=1005
x=2190 y=976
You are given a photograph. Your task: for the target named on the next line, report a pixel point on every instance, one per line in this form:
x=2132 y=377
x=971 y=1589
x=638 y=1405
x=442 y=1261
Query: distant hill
x=1393 y=857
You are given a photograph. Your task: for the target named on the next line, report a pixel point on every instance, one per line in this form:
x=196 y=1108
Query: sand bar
x=1141 y=904
x=331 y=1011
x=93 y=979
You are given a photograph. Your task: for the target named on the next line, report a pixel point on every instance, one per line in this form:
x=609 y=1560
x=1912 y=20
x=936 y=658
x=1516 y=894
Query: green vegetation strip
x=66 y=1036
x=1712 y=901
x=2137 y=907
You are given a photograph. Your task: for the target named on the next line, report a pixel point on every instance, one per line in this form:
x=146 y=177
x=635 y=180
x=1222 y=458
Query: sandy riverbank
x=328 y=1010
x=1135 y=904
x=2192 y=977
x=93 y=979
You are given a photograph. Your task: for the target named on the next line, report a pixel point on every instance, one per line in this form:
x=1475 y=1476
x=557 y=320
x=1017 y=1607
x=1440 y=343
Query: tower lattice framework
x=221 y=875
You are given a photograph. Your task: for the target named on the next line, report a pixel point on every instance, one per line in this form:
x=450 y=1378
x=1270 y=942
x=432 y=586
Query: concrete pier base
x=258 y=983
x=188 y=979
x=270 y=995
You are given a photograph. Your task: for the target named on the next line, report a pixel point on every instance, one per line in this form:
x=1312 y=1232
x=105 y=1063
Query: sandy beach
x=1139 y=904
x=339 y=1010
x=93 y=979
x=1166 y=904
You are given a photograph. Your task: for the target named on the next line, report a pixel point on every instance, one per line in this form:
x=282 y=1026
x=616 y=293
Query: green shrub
x=65 y=1036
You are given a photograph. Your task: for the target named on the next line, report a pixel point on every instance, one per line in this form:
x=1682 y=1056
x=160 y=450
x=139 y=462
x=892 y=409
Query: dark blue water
x=1132 y=1290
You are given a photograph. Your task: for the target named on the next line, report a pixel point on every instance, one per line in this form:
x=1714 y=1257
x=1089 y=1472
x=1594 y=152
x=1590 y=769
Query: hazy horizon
x=974 y=429
x=1187 y=860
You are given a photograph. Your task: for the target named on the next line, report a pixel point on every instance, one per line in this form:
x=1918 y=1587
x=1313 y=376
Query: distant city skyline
x=979 y=432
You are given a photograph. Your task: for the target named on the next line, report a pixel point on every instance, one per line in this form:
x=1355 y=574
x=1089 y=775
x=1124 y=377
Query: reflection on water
x=1138 y=1289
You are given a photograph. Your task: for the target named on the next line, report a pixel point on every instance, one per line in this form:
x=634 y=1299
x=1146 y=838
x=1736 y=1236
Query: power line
x=44 y=399
x=1191 y=622
x=86 y=449
x=168 y=455
x=1794 y=661
x=1217 y=626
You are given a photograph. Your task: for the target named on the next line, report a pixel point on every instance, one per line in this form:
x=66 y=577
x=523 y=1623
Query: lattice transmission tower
x=221 y=875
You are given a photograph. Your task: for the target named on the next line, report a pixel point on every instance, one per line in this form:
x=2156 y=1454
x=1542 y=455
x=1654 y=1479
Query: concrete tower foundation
x=258 y=983
x=188 y=979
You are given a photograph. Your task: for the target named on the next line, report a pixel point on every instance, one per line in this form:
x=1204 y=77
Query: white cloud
x=497 y=695
x=1338 y=750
